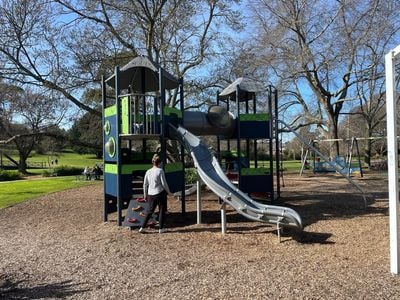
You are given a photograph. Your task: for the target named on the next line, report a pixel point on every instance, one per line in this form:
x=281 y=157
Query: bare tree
x=313 y=47
x=27 y=116
x=61 y=45
x=33 y=51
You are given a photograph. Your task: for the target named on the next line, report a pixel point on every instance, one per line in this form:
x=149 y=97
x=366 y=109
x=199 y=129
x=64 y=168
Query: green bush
x=191 y=176
x=47 y=173
x=63 y=171
x=6 y=175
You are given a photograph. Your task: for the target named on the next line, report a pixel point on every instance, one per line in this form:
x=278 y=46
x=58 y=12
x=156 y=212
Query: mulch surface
x=58 y=247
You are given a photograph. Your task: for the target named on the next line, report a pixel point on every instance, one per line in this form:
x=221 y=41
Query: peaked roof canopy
x=141 y=75
x=246 y=85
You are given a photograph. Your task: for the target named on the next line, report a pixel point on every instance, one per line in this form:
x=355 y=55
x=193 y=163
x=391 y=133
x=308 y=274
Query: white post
x=391 y=113
x=223 y=218
x=198 y=185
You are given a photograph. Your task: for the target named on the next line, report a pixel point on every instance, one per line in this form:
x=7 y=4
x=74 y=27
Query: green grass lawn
x=291 y=165
x=12 y=192
x=288 y=165
x=67 y=159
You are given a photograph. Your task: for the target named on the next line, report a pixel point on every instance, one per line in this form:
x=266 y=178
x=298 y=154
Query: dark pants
x=159 y=200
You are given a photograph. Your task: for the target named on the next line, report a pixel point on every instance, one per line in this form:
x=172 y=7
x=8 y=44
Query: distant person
x=155 y=190
x=97 y=172
x=86 y=172
x=56 y=161
x=306 y=165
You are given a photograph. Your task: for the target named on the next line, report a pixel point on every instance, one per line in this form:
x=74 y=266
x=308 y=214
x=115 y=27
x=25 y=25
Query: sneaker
x=141 y=230
x=162 y=230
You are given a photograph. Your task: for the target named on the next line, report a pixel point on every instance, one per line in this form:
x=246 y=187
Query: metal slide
x=214 y=177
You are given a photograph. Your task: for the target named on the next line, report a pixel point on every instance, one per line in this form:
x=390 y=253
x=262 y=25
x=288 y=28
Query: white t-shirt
x=155 y=182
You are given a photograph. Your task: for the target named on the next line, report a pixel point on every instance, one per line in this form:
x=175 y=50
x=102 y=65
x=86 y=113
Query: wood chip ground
x=57 y=247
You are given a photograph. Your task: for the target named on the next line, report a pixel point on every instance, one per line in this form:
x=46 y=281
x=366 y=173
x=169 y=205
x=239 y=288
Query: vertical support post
x=198 y=202
x=228 y=143
x=303 y=163
x=182 y=108
x=155 y=116
x=277 y=148
x=118 y=147
x=238 y=133
x=271 y=134
x=358 y=158
x=278 y=230
x=104 y=104
x=255 y=141
x=223 y=218
x=162 y=105
x=218 y=139
x=247 y=140
x=391 y=117
x=350 y=156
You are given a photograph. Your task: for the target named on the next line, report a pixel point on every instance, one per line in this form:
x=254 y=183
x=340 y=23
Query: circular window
x=110 y=147
x=107 y=127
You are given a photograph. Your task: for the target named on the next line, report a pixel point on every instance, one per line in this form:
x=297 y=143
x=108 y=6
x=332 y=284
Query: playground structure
x=136 y=119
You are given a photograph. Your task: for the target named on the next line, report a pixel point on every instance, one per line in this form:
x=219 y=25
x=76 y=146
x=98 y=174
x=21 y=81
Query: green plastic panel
x=125 y=115
x=171 y=110
x=110 y=111
x=173 y=167
x=255 y=117
x=126 y=169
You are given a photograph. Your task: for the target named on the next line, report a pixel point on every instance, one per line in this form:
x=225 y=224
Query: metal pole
x=162 y=100
x=104 y=104
x=218 y=139
x=350 y=157
x=255 y=141
x=182 y=107
x=303 y=163
x=118 y=147
x=391 y=119
x=247 y=140
x=223 y=218
x=198 y=194
x=277 y=148
x=238 y=132
x=228 y=143
x=271 y=163
x=359 y=160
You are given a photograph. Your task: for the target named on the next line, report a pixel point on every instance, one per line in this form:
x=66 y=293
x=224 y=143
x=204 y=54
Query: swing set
x=345 y=163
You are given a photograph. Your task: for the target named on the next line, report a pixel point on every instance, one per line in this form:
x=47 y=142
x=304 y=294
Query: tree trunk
x=334 y=150
x=22 y=166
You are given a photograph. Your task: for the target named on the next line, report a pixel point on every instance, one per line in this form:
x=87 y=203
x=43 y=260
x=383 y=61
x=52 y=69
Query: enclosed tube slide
x=217 y=121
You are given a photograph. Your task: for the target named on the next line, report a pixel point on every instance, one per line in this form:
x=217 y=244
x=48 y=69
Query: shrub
x=7 y=175
x=191 y=176
x=62 y=171
x=47 y=173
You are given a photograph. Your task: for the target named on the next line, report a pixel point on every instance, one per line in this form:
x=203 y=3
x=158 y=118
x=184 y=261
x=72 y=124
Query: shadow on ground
x=18 y=289
x=325 y=206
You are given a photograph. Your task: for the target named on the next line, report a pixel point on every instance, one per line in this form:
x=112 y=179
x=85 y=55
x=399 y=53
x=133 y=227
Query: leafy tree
x=26 y=116
x=87 y=130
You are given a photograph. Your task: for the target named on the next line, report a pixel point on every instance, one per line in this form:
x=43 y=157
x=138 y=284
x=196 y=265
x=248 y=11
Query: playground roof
x=248 y=87
x=141 y=74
